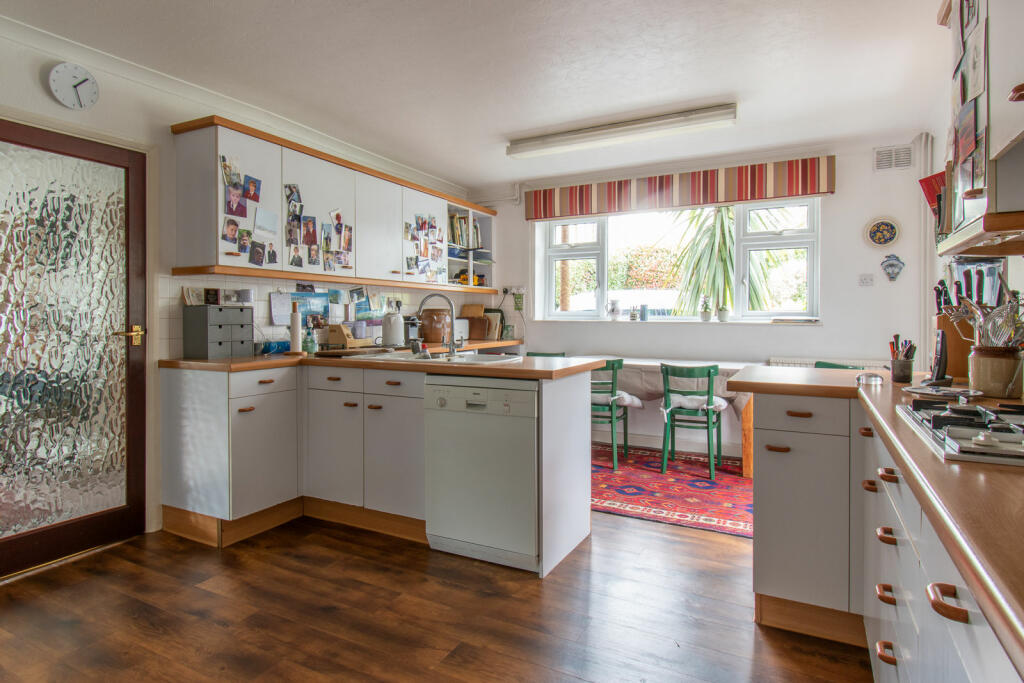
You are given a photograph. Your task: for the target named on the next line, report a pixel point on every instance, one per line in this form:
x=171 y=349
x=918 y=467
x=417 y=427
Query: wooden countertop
x=775 y=379
x=528 y=368
x=976 y=509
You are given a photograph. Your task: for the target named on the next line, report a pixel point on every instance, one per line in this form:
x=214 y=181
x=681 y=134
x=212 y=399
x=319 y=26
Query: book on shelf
x=458 y=230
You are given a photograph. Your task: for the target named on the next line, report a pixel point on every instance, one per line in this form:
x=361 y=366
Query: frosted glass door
x=64 y=360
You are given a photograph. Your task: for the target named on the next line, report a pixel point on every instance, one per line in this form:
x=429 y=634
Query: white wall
x=856 y=322
x=136 y=109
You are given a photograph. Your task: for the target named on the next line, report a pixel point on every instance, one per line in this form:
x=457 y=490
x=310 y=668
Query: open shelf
x=994 y=234
x=236 y=271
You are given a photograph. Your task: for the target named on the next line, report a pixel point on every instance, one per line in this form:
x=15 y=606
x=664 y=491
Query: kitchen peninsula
x=250 y=444
x=879 y=540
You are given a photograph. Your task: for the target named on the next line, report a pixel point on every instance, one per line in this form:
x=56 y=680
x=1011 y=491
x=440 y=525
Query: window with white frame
x=757 y=260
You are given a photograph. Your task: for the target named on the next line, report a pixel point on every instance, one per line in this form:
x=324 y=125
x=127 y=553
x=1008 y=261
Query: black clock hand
x=84 y=80
x=78 y=97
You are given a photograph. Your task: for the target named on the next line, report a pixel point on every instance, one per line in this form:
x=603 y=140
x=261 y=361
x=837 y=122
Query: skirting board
x=221 y=533
x=372 y=520
x=811 y=620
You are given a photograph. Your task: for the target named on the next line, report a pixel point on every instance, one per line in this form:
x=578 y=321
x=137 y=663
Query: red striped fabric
x=752 y=182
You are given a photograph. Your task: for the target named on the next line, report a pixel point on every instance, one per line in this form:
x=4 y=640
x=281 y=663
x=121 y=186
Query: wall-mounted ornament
x=892 y=265
x=882 y=232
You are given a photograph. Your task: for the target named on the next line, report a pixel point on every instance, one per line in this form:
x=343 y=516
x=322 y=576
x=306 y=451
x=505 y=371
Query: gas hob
x=970 y=432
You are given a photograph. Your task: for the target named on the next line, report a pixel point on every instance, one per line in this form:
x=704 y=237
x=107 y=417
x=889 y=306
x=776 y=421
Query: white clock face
x=73 y=86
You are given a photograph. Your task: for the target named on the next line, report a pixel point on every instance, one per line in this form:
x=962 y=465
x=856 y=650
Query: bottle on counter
x=309 y=342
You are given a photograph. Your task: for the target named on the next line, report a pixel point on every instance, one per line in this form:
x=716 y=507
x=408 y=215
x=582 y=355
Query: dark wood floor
x=311 y=600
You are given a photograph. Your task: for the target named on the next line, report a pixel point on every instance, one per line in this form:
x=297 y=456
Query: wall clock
x=882 y=232
x=73 y=86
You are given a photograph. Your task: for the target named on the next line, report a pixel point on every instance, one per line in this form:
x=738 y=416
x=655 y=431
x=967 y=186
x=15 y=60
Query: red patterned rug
x=683 y=495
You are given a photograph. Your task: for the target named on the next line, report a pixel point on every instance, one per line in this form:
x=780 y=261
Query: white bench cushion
x=621 y=398
x=718 y=404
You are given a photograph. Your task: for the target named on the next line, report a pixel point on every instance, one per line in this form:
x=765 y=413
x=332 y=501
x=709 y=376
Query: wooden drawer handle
x=883 y=591
x=869 y=485
x=975 y=193
x=393 y=383
x=346 y=267
x=800 y=413
x=351 y=404
x=410 y=272
x=1017 y=94
x=396 y=272
x=886 y=535
x=266 y=381
x=888 y=474
x=882 y=649
x=333 y=379
x=232 y=253
x=247 y=410
x=867 y=432
x=777 y=449
x=373 y=407
x=936 y=593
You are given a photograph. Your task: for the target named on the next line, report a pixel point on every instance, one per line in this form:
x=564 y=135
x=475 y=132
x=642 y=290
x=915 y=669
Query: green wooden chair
x=606 y=409
x=836 y=366
x=545 y=354
x=692 y=409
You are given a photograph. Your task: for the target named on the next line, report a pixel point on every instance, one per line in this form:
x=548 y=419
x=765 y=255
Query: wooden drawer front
x=802 y=525
x=980 y=652
x=334 y=379
x=261 y=381
x=802 y=414
x=391 y=383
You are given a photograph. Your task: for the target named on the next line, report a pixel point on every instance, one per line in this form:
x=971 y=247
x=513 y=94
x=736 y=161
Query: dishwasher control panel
x=512 y=402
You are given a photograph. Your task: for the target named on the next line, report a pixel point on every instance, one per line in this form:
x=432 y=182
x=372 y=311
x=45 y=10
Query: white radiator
x=809 y=362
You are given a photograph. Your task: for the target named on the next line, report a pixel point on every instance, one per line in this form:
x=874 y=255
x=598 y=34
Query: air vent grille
x=894 y=158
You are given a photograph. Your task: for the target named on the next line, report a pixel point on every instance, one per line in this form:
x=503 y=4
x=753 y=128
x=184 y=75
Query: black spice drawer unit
x=214 y=332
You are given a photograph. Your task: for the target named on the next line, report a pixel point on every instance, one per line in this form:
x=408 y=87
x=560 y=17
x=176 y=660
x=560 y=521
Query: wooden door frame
x=43 y=545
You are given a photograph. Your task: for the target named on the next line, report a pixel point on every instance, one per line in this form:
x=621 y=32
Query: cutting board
x=472 y=311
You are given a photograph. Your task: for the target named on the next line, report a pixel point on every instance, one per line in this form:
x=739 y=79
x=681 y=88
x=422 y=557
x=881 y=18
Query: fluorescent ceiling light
x=623 y=131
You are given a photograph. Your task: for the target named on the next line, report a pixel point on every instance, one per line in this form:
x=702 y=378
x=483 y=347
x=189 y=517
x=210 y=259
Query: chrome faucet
x=451 y=307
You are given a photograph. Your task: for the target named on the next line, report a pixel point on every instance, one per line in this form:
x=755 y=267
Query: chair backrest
x=607 y=386
x=836 y=366
x=545 y=354
x=705 y=372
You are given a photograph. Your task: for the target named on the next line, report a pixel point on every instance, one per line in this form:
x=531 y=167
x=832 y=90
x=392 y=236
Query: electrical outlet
x=866 y=280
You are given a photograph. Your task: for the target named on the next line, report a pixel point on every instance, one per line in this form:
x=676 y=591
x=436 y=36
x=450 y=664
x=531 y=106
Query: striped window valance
x=772 y=180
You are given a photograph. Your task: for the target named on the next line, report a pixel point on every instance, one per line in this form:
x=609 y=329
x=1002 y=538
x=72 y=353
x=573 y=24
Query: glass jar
x=995 y=371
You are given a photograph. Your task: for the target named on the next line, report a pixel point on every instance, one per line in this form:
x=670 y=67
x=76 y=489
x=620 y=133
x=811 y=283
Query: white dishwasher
x=481 y=468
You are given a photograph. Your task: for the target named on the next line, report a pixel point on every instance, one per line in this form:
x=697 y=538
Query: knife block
x=957 y=349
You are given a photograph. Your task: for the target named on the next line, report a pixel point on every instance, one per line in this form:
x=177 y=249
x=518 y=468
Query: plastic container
x=359 y=329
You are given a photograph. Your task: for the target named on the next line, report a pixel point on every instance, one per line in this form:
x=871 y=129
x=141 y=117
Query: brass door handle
x=136 y=334
x=937 y=591
x=1017 y=94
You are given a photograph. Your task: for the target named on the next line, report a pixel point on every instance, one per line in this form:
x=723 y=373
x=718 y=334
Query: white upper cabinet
x=424 y=250
x=379 y=225
x=318 y=201
x=249 y=197
x=1006 y=73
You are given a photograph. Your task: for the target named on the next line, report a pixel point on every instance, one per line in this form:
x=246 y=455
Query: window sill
x=736 y=322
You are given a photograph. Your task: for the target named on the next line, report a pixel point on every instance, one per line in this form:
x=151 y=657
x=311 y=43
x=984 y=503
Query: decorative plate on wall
x=882 y=232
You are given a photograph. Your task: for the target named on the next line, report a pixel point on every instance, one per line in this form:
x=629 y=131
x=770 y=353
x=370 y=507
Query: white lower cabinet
x=263 y=449
x=334 y=460
x=801 y=527
x=393 y=469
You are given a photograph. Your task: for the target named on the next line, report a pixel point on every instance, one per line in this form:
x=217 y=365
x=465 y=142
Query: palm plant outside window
x=757 y=260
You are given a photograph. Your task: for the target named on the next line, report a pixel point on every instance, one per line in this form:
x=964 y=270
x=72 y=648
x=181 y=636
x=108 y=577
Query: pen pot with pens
x=994 y=363
x=902 y=362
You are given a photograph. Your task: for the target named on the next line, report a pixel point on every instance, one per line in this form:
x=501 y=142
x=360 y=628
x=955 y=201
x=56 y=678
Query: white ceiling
x=441 y=85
